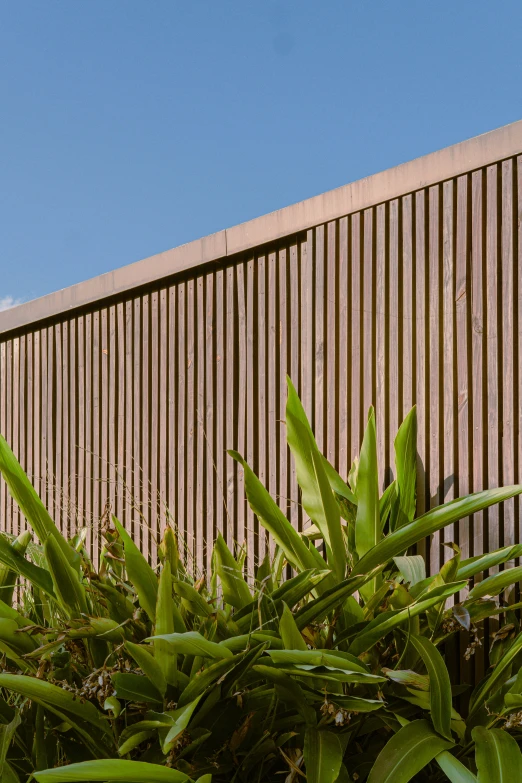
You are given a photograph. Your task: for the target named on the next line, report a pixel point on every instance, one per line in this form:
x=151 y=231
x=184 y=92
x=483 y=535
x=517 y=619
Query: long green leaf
x=407 y=752
x=454 y=769
x=494 y=584
x=367 y=523
x=317 y=497
x=397 y=542
x=316 y=610
x=167 y=616
x=139 y=572
x=323 y=756
x=149 y=665
x=235 y=588
x=295 y=406
x=494 y=680
x=406 y=463
x=412 y=568
x=7 y=576
x=111 y=771
x=440 y=685
x=38 y=577
x=7 y=733
x=193 y=643
x=273 y=519
x=48 y=694
x=66 y=580
x=30 y=504
x=387 y=621
x=498 y=756
x=133 y=687
x=289 y=632
x=479 y=563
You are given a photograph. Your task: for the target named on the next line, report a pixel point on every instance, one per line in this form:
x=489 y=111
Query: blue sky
x=129 y=127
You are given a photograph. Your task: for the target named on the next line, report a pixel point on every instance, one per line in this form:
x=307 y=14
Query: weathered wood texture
x=129 y=404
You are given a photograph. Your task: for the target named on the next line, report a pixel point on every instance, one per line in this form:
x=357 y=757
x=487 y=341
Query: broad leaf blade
x=139 y=572
x=407 y=752
x=397 y=542
x=323 y=756
x=387 y=621
x=440 y=685
x=30 y=504
x=111 y=771
x=273 y=519
x=454 y=769
x=367 y=523
x=295 y=406
x=235 y=588
x=497 y=755
x=406 y=463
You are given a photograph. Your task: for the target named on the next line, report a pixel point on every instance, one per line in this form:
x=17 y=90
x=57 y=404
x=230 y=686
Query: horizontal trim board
x=408 y=177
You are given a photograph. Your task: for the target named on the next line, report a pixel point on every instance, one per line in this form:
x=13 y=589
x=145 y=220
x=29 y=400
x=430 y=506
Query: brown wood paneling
x=411 y=297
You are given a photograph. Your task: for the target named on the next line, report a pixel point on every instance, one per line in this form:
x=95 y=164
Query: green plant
x=133 y=672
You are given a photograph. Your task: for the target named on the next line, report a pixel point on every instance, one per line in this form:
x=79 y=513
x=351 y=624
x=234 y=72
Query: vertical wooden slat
x=129 y=413
x=331 y=344
x=155 y=405
x=191 y=403
x=448 y=346
x=507 y=423
x=462 y=343
x=435 y=478
x=293 y=370
x=111 y=401
x=65 y=476
x=211 y=464
x=73 y=424
x=394 y=354
x=163 y=407
x=121 y=381
x=145 y=426
x=307 y=316
x=381 y=332
x=407 y=283
x=319 y=347
x=181 y=518
x=355 y=363
x=262 y=373
x=106 y=429
x=203 y=540
x=493 y=400
x=233 y=419
x=172 y=377
x=283 y=369
x=240 y=526
x=203 y=527
x=343 y=423
x=272 y=379
x=87 y=440
x=218 y=483
x=421 y=358
x=96 y=433
x=251 y=403
x=368 y=282
x=478 y=345
x=80 y=450
x=137 y=478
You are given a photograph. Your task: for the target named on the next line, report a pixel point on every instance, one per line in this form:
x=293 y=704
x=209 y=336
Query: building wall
x=125 y=392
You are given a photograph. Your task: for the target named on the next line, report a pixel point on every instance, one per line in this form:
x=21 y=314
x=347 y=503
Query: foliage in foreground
x=140 y=674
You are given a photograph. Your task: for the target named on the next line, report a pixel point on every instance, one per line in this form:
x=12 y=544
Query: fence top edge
x=453 y=161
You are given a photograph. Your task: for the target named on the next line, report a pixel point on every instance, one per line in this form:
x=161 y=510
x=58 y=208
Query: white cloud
x=7 y=302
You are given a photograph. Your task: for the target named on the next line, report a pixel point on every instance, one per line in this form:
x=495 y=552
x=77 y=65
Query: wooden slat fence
x=129 y=401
